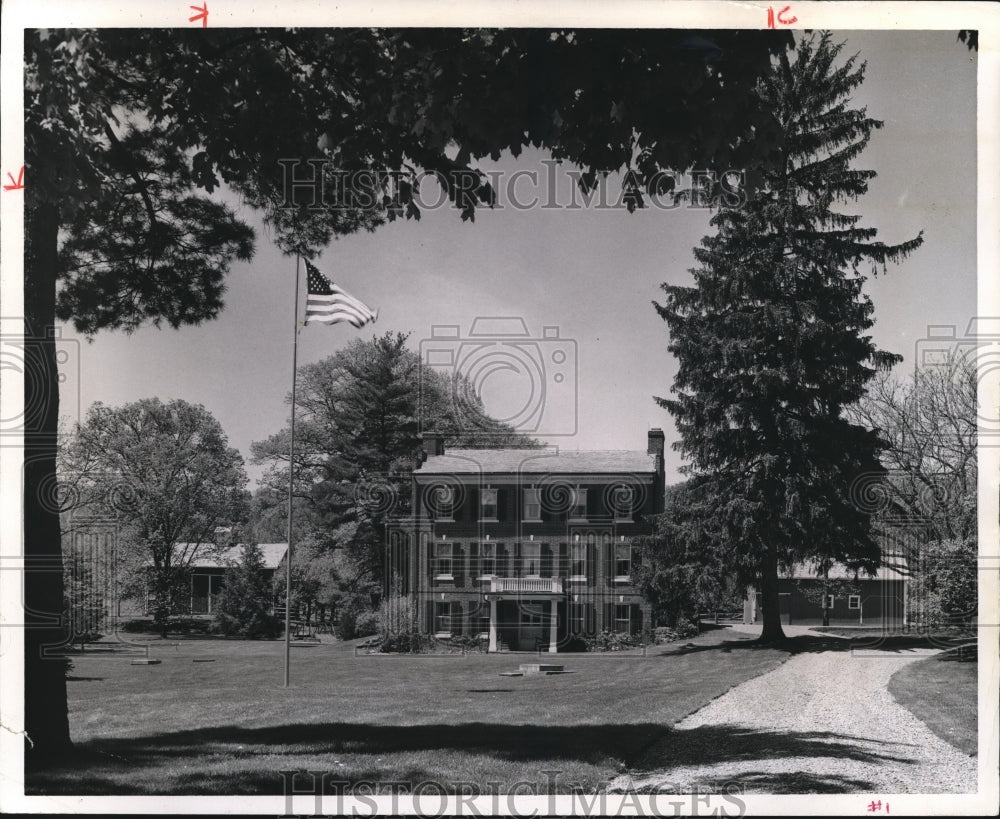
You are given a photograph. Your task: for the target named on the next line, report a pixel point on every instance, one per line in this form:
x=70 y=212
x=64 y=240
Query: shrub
x=682 y=631
x=366 y=623
x=613 y=641
x=465 y=643
x=404 y=644
x=397 y=626
x=397 y=615
x=175 y=625
x=266 y=626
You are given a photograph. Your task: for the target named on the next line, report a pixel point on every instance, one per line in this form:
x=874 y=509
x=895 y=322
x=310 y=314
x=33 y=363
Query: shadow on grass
x=229 y=759
x=809 y=644
x=967 y=653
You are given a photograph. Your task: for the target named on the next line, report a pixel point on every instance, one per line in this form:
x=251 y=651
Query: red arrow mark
x=16 y=184
x=202 y=14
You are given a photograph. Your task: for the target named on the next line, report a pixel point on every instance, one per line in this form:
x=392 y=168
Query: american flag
x=328 y=304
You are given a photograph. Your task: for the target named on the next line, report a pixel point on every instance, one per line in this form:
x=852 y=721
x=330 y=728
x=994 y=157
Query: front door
x=531 y=631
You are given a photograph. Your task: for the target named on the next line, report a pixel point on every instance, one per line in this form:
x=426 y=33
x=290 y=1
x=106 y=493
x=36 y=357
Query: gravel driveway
x=823 y=722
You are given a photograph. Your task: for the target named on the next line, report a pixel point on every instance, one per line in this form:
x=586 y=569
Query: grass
x=187 y=726
x=941 y=691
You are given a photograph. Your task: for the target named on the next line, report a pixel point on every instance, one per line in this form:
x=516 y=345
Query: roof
x=537 y=461
x=208 y=558
x=807 y=571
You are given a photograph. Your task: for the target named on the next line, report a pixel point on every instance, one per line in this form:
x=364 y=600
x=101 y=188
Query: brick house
x=526 y=549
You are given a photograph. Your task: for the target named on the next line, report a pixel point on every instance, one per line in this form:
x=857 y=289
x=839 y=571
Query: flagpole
x=291 y=478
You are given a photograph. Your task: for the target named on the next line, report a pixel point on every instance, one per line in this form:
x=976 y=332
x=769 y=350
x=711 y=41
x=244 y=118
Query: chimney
x=433 y=444
x=656 y=441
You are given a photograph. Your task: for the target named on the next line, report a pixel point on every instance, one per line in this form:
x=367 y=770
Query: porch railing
x=544 y=585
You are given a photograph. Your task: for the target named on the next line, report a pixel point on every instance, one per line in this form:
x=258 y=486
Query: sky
x=591 y=273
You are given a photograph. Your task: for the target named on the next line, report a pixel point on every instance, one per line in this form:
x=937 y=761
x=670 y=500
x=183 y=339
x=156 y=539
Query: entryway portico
x=523 y=612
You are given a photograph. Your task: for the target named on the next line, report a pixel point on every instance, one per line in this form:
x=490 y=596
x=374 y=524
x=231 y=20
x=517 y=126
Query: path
x=823 y=722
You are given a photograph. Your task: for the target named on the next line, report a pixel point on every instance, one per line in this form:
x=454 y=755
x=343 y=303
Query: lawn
x=212 y=717
x=942 y=692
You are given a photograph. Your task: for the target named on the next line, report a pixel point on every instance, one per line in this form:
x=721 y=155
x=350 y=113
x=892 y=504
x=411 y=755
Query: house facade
x=526 y=549
x=839 y=598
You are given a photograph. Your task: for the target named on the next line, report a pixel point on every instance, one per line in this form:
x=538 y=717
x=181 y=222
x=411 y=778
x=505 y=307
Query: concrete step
x=540 y=668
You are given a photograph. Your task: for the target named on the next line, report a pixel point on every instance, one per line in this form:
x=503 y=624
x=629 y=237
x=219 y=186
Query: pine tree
x=772 y=338
x=244 y=605
x=359 y=414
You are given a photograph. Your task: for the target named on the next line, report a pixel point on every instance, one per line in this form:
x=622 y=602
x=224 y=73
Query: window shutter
x=545 y=561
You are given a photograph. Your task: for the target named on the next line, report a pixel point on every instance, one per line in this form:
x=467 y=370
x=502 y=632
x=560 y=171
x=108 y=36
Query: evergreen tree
x=244 y=604
x=682 y=567
x=772 y=339
x=357 y=436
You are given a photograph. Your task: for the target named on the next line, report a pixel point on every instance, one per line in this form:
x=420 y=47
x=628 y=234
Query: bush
x=465 y=643
x=266 y=626
x=366 y=624
x=176 y=625
x=613 y=641
x=397 y=615
x=682 y=631
x=404 y=644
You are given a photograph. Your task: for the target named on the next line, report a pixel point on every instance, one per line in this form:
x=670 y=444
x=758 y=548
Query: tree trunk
x=772 y=631
x=45 y=713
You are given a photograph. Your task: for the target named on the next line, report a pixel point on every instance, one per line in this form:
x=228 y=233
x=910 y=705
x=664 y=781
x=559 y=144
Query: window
x=487 y=559
x=578 y=511
x=481 y=619
x=577 y=618
x=531 y=559
x=488 y=504
x=623 y=559
x=854 y=601
x=829 y=601
x=532 y=505
x=442 y=619
x=578 y=559
x=623 y=619
x=622 y=499
x=444 y=503
x=443 y=553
